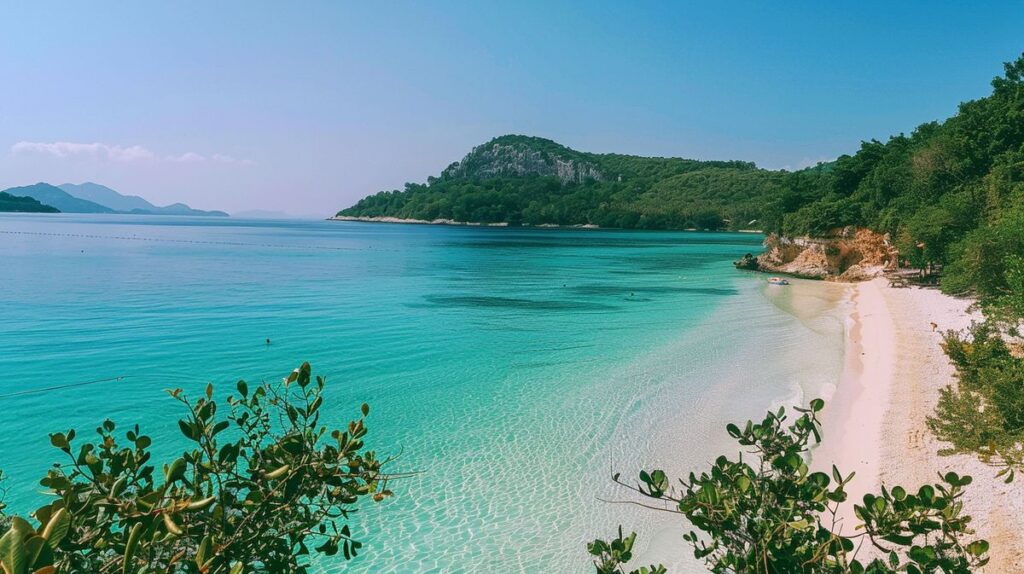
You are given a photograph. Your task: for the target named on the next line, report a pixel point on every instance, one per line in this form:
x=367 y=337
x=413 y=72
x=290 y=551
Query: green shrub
x=766 y=512
x=261 y=488
x=984 y=413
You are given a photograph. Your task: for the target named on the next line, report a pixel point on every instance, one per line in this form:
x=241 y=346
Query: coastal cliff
x=849 y=255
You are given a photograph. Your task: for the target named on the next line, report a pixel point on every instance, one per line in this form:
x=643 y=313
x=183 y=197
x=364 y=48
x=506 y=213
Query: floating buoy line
x=59 y=387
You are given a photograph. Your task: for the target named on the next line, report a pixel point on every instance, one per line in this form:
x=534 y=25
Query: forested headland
x=951 y=192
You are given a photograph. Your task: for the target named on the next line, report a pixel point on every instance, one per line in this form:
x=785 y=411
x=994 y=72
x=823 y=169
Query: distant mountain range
x=57 y=198
x=95 y=198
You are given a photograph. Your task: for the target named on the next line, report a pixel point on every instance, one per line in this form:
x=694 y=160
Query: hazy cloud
x=187 y=157
x=222 y=158
x=116 y=153
x=96 y=150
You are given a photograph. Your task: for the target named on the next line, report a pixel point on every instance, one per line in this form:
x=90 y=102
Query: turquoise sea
x=514 y=368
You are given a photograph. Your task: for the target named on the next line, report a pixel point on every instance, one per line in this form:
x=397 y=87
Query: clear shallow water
x=514 y=367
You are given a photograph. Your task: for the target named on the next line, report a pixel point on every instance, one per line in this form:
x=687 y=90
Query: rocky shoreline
x=851 y=255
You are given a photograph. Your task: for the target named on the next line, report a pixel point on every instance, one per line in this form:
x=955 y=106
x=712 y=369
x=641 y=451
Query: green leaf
x=187 y=429
x=204 y=549
x=743 y=483
x=127 y=564
x=926 y=493
x=899 y=539
x=922 y=554
x=176 y=471
x=38 y=553
x=977 y=548
x=12 y=553
x=57 y=528
x=58 y=440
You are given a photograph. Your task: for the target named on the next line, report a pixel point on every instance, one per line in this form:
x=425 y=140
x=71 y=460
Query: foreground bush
x=984 y=413
x=768 y=513
x=262 y=487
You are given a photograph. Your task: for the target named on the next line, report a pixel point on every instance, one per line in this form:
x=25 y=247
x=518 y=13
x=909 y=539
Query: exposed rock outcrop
x=498 y=159
x=850 y=255
x=748 y=262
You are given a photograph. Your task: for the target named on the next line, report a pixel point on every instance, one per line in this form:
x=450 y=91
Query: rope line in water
x=58 y=387
x=191 y=241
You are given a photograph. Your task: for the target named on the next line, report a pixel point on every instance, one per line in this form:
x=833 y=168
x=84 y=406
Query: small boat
x=777 y=281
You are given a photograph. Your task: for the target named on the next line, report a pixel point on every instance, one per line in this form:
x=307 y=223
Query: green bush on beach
x=264 y=485
x=983 y=414
x=766 y=512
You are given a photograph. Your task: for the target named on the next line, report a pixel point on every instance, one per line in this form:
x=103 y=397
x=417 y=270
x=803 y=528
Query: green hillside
x=533 y=181
x=17 y=203
x=950 y=192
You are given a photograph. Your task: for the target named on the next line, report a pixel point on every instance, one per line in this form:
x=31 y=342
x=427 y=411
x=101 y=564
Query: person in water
x=268 y=341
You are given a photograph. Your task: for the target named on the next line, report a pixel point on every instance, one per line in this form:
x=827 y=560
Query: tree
x=768 y=513
x=260 y=489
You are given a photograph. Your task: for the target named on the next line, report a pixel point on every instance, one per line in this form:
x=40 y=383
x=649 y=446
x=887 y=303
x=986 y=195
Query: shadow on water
x=538 y=239
x=514 y=303
x=598 y=289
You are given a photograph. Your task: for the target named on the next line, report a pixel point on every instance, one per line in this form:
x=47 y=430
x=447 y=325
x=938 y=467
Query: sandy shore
x=875 y=424
x=875 y=419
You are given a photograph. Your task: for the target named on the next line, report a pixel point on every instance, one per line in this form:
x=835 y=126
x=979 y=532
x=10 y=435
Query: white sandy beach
x=875 y=424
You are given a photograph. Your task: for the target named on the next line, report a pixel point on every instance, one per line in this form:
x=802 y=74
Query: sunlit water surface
x=512 y=368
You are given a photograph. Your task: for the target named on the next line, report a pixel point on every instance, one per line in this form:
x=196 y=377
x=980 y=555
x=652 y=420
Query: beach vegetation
x=983 y=414
x=765 y=511
x=263 y=485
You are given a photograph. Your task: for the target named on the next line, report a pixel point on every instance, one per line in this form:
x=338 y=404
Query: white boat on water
x=777 y=281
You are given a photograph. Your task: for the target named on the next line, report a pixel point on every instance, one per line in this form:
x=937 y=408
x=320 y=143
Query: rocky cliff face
x=852 y=255
x=500 y=159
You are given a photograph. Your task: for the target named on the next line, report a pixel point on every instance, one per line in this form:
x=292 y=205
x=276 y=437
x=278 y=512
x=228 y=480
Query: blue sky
x=306 y=107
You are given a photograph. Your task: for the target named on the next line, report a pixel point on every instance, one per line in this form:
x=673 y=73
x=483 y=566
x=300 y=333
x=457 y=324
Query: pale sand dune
x=875 y=424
